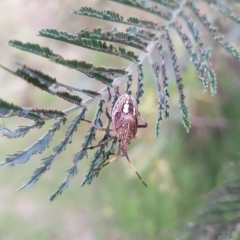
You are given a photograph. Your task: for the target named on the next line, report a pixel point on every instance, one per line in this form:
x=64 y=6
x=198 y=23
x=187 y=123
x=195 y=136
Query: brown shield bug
x=124 y=117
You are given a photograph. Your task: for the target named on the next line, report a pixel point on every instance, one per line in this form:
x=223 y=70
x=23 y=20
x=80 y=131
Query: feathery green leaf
x=183 y=107
x=140 y=91
x=92 y=44
x=225 y=11
x=33 y=48
x=39 y=115
x=38 y=147
x=170 y=4
x=214 y=31
x=47 y=162
x=115 y=17
x=114 y=36
x=8 y=109
x=205 y=54
x=194 y=57
x=154 y=10
x=147 y=35
x=21 y=131
x=162 y=88
x=80 y=155
x=128 y=85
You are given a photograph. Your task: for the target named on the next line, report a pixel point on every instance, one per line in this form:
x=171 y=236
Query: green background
x=180 y=168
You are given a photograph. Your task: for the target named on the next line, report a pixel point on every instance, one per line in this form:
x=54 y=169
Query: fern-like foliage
x=147 y=37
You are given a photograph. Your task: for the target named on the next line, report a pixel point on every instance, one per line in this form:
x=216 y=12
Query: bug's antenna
x=108 y=162
x=126 y=155
x=111 y=160
x=134 y=169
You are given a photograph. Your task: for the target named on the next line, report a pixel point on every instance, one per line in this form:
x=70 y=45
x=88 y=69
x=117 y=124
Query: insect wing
x=125 y=105
x=125 y=117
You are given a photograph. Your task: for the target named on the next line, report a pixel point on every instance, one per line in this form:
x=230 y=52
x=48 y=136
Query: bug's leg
x=110 y=161
x=109 y=94
x=142 y=125
x=105 y=164
x=134 y=169
x=109 y=99
x=116 y=155
x=99 y=128
x=126 y=155
x=108 y=115
x=100 y=144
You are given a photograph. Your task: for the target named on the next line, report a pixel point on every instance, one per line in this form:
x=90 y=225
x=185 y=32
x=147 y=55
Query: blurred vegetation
x=179 y=168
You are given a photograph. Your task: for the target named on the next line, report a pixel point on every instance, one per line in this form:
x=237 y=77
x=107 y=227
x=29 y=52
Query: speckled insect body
x=124 y=117
x=125 y=120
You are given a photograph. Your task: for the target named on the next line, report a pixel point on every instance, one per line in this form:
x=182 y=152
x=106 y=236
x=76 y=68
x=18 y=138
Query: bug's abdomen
x=125 y=119
x=125 y=126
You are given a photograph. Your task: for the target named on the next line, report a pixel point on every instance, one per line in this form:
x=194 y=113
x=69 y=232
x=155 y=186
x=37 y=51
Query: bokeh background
x=180 y=168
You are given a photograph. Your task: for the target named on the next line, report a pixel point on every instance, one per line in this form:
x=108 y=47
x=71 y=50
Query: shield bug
x=124 y=117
